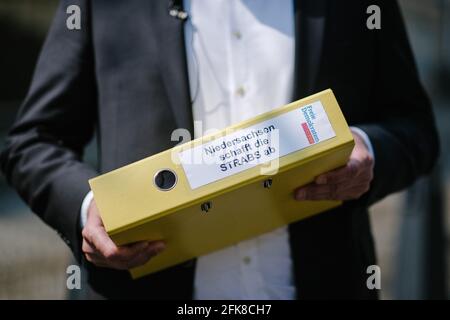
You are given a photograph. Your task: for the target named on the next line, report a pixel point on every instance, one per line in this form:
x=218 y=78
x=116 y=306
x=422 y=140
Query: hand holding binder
x=346 y=183
x=100 y=250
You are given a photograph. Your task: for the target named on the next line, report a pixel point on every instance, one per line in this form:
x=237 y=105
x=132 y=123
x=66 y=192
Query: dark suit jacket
x=124 y=77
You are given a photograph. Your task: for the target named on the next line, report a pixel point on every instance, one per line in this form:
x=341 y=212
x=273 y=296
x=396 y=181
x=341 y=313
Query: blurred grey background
x=411 y=228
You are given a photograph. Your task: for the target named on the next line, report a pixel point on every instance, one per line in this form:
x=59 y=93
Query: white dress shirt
x=240 y=56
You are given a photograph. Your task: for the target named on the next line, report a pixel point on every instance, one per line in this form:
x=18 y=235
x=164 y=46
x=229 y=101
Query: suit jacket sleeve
x=404 y=138
x=42 y=156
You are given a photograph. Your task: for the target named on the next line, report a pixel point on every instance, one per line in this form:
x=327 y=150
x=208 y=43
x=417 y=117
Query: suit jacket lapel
x=173 y=64
x=310 y=22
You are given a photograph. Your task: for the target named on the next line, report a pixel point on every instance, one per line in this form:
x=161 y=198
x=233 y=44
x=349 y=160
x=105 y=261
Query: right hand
x=100 y=250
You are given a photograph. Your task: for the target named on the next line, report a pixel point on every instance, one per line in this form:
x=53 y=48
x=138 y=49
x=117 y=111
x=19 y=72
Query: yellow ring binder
x=226 y=197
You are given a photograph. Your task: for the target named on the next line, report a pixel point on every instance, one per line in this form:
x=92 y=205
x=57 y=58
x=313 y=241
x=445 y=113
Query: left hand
x=346 y=183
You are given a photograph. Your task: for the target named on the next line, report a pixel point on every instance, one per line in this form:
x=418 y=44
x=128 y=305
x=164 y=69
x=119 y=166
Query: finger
x=130 y=252
x=87 y=247
x=101 y=261
x=144 y=257
x=123 y=254
x=90 y=251
x=340 y=192
x=157 y=246
x=116 y=256
x=109 y=250
x=340 y=175
x=317 y=192
x=100 y=240
x=105 y=247
x=96 y=260
x=141 y=257
x=355 y=192
x=366 y=176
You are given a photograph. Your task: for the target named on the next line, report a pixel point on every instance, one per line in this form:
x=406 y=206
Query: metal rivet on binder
x=206 y=206
x=267 y=183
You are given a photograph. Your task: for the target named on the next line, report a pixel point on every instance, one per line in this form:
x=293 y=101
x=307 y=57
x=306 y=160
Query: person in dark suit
x=126 y=76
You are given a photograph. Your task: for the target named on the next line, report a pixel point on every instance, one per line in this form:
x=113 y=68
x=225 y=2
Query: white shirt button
x=240 y=91
x=247 y=260
x=237 y=34
x=234 y=69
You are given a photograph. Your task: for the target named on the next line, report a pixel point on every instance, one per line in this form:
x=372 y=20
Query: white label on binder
x=261 y=143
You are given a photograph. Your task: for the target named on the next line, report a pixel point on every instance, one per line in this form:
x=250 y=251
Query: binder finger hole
x=165 y=180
